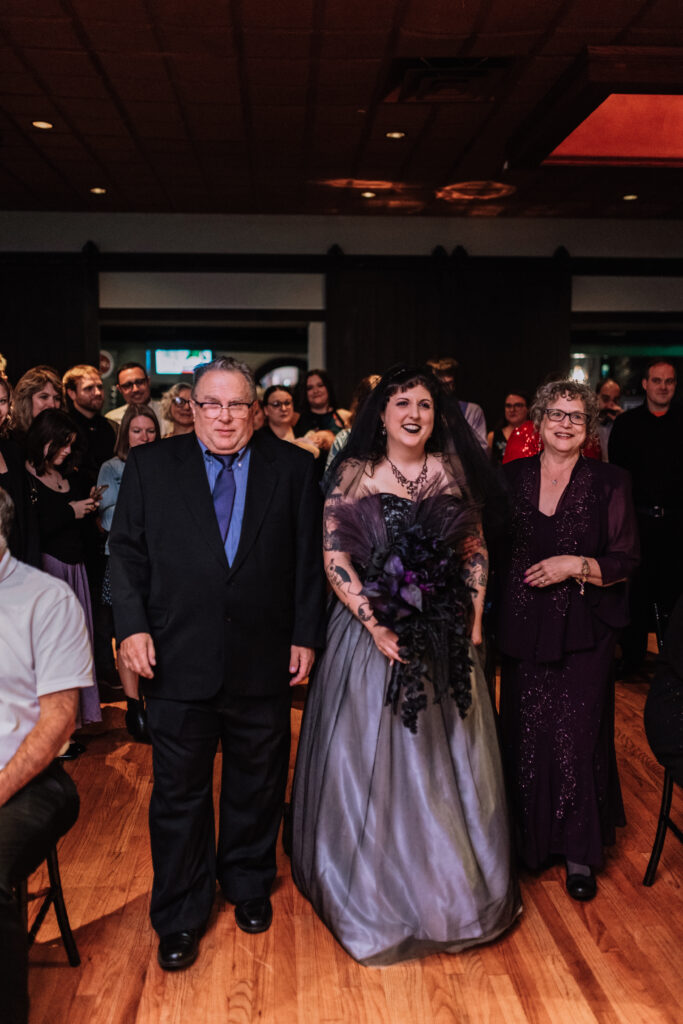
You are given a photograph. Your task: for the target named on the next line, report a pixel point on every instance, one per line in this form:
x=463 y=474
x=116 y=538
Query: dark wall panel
x=507 y=322
x=48 y=311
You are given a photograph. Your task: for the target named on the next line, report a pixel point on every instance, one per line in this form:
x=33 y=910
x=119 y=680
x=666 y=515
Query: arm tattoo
x=476 y=570
x=364 y=612
x=337 y=575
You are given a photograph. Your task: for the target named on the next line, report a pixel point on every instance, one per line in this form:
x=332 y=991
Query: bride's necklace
x=411 y=486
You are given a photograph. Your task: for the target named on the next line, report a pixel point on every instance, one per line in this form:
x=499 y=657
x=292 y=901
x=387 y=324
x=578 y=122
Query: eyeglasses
x=287 y=404
x=139 y=382
x=181 y=401
x=515 y=405
x=579 y=419
x=212 y=410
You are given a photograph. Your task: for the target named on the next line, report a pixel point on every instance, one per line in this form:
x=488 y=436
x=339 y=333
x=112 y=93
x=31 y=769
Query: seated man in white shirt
x=45 y=658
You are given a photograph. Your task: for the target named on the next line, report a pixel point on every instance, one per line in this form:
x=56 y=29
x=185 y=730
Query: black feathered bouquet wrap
x=414 y=584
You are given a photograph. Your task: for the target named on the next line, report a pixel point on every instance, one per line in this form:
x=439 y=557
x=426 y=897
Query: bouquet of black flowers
x=414 y=584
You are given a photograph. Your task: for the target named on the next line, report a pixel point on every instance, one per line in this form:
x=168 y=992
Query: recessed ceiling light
x=394 y=135
x=368 y=195
x=97 y=191
x=43 y=125
x=629 y=197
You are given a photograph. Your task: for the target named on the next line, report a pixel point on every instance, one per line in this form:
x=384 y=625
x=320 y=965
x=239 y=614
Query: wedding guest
x=515 y=412
x=63 y=500
x=278 y=406
x=400 y=825
x=46 y=660
x=23 y=539
x=646 y=441
x=96 y=437
x=609 y=393
x=139 y=426
x=176 y=410
x=39 y=388
x=320 y=418
x=445 y=370
x=84 y=393
x=133 y=385
x=573 y=545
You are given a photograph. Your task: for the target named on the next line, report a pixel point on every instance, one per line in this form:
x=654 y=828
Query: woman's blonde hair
x=168 y=396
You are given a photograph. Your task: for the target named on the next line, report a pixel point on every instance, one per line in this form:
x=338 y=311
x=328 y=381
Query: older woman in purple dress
x=574 y=544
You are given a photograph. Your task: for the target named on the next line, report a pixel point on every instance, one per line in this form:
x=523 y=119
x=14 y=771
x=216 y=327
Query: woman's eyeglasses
x=286 y=404
x=181 y=401
x=579 y=419
x=515 y=405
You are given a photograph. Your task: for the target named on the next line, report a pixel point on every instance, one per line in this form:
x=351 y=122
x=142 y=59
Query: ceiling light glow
x=98 y=191
x=629 y=197
x=394 y=135
x=43 y=125
x=368 y=195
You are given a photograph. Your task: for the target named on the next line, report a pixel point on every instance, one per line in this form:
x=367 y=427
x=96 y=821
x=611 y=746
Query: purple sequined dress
x=557 y=686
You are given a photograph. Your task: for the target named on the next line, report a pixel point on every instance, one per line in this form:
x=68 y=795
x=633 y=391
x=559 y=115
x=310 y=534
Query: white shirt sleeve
x=61 y=646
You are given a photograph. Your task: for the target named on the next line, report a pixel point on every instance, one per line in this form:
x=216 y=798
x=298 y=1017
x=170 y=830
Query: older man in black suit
x=218 y=595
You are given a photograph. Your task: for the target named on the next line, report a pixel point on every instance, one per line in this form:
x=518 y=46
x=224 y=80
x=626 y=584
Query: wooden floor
x=617 y=959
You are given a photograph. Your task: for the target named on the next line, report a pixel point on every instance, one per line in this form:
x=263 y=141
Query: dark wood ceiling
x=281 y=106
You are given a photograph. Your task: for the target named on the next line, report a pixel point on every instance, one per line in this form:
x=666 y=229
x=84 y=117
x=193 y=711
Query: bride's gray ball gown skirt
x=401 y=842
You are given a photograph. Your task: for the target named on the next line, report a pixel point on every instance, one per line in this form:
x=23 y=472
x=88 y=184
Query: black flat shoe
x=178 y=950
x=74 y=750
x=254 y=915
x=582 y=887
x=136 y=721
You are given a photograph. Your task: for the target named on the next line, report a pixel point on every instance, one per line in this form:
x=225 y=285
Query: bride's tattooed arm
x=340 y=571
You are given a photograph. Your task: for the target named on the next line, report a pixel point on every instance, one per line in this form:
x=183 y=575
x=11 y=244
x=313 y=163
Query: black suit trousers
x=254 y=736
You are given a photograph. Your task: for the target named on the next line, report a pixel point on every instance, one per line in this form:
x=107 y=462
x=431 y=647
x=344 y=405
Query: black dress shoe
x=178 y=950
x=582 y=887
x=254 y=915
x=136 y=721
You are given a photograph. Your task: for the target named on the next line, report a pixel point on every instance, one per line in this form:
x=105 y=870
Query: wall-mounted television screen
x=179 y=360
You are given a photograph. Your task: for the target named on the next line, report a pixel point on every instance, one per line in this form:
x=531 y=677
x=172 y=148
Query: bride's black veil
x=452 y=438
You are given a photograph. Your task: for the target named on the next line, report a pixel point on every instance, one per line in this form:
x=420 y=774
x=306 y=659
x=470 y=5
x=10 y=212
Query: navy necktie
x=224 y=493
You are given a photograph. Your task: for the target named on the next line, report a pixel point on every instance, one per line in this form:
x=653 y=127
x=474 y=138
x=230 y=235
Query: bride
x=400 y=828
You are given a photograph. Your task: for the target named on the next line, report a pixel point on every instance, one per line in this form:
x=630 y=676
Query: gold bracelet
x=585 y=573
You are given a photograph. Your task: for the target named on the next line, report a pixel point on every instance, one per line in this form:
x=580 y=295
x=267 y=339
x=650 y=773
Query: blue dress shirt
x=240 y=469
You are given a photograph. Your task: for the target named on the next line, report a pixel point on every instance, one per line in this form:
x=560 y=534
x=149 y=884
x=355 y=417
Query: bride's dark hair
x=452 y=436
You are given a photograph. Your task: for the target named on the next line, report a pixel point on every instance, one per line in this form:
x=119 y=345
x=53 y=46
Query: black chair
x=51 y=896
x=663 y=824
x=664 y=821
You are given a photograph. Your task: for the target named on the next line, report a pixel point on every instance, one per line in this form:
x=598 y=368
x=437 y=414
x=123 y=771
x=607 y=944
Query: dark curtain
x=506 y=321
x=48 y=310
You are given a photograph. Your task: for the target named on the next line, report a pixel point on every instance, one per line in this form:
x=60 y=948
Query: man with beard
x=85 y=397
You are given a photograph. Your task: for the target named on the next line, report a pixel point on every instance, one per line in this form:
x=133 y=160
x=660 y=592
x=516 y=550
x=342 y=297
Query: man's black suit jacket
x=216 y=625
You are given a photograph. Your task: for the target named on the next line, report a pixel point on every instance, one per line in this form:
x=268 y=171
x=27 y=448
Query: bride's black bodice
x=395 y=510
